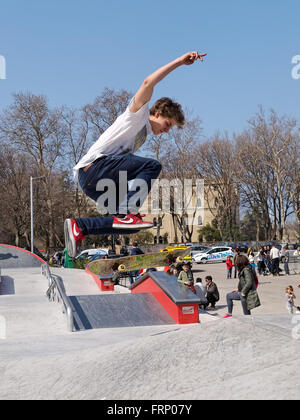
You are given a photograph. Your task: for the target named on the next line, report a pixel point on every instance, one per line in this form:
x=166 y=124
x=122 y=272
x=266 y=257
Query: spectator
x=246 y=291
x=252 y=262
x=134 y=251
x=267 y=260
x=201 y=292
x=275 y=258
x=175 y=271
x=250 y=252
x=284 y=255
x=260 y=261
x=212 y=293
x=123 y=251
x=186 y=276
x=229 y=266
x=290 y=299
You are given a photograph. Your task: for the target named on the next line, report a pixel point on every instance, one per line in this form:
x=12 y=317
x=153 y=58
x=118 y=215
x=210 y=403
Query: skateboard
x=137 y=262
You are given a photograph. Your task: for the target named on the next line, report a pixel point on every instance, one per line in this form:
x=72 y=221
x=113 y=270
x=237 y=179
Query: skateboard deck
x=136 y=262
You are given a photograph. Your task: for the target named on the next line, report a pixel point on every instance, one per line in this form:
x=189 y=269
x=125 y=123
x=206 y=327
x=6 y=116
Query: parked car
x=215 y=254
x=197 y=249
x=92 y=253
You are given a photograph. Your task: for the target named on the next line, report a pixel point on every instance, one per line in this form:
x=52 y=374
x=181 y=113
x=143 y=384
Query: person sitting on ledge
x=186 y=277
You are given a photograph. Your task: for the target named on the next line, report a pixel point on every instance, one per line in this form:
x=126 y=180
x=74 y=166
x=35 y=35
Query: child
x=229 y=265
x=290 y=299
x=112 y=162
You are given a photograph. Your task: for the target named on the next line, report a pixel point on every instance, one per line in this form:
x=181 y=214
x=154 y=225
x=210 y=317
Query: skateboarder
x=111 y=158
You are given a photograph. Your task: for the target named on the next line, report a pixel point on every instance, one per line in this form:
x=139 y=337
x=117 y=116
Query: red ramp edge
x=103 y=283
x=24 y=250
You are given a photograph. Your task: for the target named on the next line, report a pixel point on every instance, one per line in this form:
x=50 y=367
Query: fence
x=294 y=264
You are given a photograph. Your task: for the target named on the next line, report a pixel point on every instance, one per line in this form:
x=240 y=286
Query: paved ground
x=239 y=358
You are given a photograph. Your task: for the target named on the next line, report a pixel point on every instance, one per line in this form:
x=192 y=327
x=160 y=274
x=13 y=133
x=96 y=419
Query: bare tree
x=15 y=170
x=105 y=109
x=216 y=162
x=177 y=153
x=265 y=152
x=37 y=132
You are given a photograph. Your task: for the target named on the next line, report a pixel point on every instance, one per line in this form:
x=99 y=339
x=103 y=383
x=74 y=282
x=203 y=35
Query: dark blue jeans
x=230 y=297
x=101 y=182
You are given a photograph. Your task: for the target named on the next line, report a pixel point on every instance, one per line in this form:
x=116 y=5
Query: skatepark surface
x=255 y=357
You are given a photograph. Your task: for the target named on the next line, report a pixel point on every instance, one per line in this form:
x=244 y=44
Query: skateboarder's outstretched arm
x=145 y=92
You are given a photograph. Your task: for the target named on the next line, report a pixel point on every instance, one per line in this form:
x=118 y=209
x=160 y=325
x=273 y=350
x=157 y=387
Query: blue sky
x=71 y=50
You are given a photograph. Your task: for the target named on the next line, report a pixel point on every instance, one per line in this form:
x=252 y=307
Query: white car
x=216 y=254
x=89 y=253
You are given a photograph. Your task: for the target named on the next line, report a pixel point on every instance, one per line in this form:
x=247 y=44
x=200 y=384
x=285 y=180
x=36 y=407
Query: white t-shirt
x=201 y=292
x=127 y=134
x=274 y=253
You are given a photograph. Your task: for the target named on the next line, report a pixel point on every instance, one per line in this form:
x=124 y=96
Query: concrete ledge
x=177 y=300
x=178 y=293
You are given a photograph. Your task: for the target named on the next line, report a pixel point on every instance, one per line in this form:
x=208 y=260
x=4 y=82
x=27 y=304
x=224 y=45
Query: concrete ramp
x=117 y=310
x=14 y=257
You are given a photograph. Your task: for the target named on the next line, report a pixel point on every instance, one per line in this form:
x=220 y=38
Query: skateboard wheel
x=179 y=260
x=122 y=267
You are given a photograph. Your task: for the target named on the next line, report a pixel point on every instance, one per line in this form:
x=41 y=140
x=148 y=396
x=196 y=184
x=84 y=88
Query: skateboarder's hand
x=190 y=57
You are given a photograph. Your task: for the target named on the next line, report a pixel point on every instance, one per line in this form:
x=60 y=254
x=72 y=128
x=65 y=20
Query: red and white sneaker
x=73 y=237
x=131 y=221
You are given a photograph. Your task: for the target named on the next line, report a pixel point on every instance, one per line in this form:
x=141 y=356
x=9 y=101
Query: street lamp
x=31 y=206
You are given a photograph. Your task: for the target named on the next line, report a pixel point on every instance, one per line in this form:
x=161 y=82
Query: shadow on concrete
x=8 y=256
x=14 y=257
x=7 y=286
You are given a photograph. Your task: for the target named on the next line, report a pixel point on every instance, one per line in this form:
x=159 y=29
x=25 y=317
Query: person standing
x=260 y=261
x=275 y=258
x=229 y=266
x=284 y=255
x=290 y=300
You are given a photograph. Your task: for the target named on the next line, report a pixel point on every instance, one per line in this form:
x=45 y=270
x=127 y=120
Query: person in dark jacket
x=212 y=293
x=246 y=291
x=135 y=250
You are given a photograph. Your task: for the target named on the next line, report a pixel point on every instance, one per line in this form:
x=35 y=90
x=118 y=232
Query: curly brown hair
x=169 y=109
